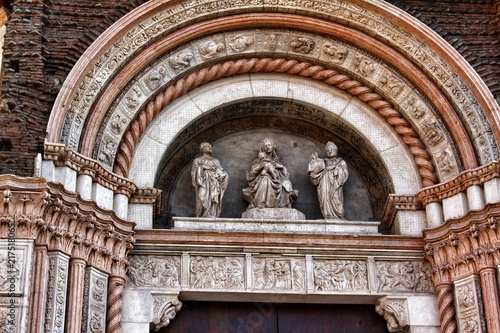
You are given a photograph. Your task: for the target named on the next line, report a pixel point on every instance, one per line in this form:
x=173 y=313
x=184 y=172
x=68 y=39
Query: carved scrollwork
x=394 y=312
x=404 y=276
x=340 y=275
x=164 y=310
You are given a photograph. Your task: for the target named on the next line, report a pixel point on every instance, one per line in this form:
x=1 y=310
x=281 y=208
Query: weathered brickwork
x=45 y=39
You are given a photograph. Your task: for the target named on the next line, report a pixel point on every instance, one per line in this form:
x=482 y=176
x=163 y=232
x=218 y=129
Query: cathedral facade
x=105 y=106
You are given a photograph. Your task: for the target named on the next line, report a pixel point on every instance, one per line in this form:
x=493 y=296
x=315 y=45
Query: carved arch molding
x=161 y=51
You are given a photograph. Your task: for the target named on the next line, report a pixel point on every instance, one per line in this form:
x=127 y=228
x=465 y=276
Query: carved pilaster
x=94 y=301
x=394 y=311
x=164 y=310
x=37 y=296
x=469 y=305
x=490 y=298
x=57 y=283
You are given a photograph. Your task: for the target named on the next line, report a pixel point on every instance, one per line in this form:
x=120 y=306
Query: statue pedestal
x=276 y=225
x=273 y=214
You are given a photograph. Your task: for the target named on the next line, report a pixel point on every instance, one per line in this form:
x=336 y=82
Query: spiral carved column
x=445 y=297
x=115 y=303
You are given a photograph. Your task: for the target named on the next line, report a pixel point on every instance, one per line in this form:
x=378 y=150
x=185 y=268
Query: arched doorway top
x=405 y=35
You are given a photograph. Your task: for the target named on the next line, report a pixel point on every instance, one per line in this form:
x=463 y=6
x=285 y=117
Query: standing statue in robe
x=210 y=181
x=269 y=185
x=329 y=175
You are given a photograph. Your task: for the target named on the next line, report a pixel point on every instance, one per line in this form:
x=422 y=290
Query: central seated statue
x=269 y=186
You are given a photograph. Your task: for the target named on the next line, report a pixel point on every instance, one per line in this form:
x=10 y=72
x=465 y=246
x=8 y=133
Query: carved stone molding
x=396 y=203
x=57 y=284
x=94 y=301
x=64 y=222
x=460 y=183
x=164 y=310
x=63 y=156
x=395 y=312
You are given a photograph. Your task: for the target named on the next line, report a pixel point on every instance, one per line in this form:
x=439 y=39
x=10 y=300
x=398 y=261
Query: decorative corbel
x=164 y=310
x=394 y=311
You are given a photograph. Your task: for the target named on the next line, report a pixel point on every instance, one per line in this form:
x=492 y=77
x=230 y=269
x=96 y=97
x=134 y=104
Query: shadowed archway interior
x=236 y=131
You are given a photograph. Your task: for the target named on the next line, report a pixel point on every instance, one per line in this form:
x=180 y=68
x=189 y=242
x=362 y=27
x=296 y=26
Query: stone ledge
x=268 y=225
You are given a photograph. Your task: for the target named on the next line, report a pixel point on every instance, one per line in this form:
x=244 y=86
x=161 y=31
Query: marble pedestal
x=270 y=225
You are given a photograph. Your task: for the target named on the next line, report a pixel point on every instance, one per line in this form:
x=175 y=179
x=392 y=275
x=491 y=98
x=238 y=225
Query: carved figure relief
x=153 y=271
x=240 y=43
x=302 y=45
x=416 y=108
x=269 y=185
x=181 y=60
x=210 y=181
x=210 y=48
x=217 y=272
x=155 y=78
x=271 y=42
x=107 y=151
x=131 y=100
x=364 y=66
x=340 y=275
x=445 y=162
x=392 y=85
x=117 y=124
x=433 y=133
x=335 y=53
x=403 y=276
x=329 y=175
x=273 y=274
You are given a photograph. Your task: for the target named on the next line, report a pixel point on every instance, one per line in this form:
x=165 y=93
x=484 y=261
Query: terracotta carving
x=210 y=181
x=329 y=175
x=269 y=185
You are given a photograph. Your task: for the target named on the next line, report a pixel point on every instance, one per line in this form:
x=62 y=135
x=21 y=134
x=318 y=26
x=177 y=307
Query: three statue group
x=268 y=180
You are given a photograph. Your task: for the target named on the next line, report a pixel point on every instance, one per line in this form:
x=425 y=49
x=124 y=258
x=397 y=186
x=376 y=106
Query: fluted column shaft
x=115 y=303
x=489 y=289
x=36 y=302
x=446 y=306
x=75 y=297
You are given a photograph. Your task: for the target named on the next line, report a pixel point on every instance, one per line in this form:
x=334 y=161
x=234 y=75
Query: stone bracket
x=165 y=307
x=395 y=312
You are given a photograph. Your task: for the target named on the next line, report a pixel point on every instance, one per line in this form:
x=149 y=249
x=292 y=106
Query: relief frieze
x=217 y=272
x=340 y=275
x=278 y=274
x=405 y=276
x=147 y=271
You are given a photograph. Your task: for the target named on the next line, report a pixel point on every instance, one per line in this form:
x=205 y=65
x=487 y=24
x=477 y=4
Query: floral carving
x=154 y=271
x=340 y=275
x=404 y=276
x=98 y=291
x=217 y=272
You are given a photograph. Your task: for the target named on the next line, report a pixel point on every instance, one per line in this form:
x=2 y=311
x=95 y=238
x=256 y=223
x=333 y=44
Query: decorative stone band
x=477 y=176
x=63 y=156
x=64 y=222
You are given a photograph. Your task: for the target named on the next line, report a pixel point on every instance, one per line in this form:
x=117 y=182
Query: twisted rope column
x=446 y=306
x=115 y=303
x=254 y=65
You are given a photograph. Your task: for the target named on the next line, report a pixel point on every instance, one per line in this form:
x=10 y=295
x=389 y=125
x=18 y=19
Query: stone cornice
x=269 y=241
x=462 y=247
x=397 y=202
x=63 y=221
x=63 y=156
x=477 y=176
